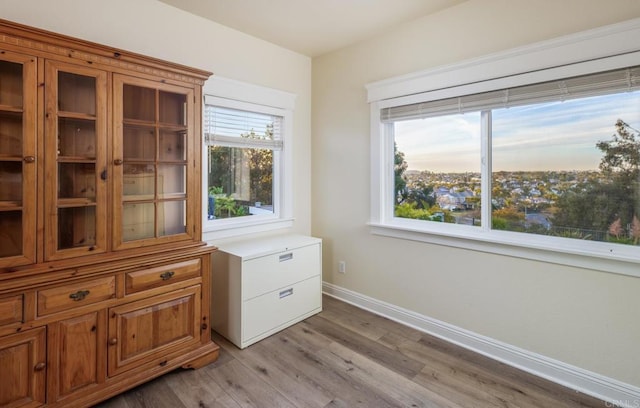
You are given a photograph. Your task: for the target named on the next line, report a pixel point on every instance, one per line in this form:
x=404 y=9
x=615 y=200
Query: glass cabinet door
x=17 y=159
x=75 y=151
x=151 y=152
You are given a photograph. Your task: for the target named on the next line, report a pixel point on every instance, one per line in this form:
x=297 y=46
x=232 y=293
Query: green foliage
x=409 y=210
x=595 y=205
x=399 y=167
x=498 y=223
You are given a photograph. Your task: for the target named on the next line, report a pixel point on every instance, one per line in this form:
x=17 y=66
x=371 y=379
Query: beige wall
x=582 y=317
x=153 y=28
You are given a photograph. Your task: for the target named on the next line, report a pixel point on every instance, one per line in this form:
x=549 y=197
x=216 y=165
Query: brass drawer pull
x=167 y=275
x=79 y=295
x=29 y=159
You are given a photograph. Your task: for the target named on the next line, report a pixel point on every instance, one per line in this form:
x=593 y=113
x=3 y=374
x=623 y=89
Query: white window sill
x=613 y=258
x=221 y=229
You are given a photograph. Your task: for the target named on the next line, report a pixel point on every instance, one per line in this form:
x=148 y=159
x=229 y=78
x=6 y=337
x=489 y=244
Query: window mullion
x=485 y=179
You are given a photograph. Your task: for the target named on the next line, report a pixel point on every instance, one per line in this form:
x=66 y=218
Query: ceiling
x=312 y=27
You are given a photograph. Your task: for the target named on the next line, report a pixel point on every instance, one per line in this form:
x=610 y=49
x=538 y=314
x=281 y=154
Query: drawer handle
x=286 y=257
x=167 y=275
x=286 y=293
x=40 y=366
x=79 y=295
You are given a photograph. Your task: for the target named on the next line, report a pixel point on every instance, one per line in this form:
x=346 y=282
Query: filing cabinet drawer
x=268 y=273
x=162 y=275
x=273 y=311
x=75 y=294
x=11 y=310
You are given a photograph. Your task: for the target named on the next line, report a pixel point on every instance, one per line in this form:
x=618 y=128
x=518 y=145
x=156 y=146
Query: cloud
x=549 y=136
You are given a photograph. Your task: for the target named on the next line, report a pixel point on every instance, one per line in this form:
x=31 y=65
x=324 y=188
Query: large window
x=545 y=160
x=247 y=158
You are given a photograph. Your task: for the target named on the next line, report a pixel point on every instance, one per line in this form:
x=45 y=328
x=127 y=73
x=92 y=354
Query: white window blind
x=238 y=128
x=616 y=81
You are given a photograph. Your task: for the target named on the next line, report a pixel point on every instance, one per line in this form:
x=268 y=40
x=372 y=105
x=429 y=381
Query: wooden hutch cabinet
x=104 y=279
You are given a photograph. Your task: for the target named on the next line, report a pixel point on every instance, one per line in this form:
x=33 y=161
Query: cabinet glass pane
x=10 y=233
x=77 y=180
x=173 y=108
x=172 y=217
x=138 y=221
x=11 y=134
x=139 y=180
x=139 y=103
x=173 y=145
x=172 y=180
x=11 y=181
x=76 y=227
x=139 y=143
x=76 y=93
x=10 y=84
x=77 y=138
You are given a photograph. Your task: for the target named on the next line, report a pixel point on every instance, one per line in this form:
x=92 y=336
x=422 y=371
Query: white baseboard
x=613 y=392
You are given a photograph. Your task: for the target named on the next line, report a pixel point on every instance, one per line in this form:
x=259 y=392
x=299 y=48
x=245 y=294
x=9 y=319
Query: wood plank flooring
x=347 y=357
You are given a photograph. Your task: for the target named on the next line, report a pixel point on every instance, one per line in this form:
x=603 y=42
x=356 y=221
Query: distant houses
x=452 y=200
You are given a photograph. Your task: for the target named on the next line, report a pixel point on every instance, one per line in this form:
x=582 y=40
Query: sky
x=541 y=137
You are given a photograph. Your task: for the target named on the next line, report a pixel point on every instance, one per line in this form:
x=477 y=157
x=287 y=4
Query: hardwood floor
x=347 y=357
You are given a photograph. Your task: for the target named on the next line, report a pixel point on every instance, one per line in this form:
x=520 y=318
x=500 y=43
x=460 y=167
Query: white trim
x=588 y=45
x=243 y=91
x=240 y=95
x=607 y=389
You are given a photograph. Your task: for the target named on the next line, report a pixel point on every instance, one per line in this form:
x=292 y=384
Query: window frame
x=234 y=94
x=584 y=53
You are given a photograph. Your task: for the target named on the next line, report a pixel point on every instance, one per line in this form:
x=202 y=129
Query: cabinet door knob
x=117 y=162
x=40 y=366
x=29 y=159
x=113 y=341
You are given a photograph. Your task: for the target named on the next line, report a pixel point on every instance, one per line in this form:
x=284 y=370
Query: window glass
x=569 y=169
x=242 y=149
x=437 y=169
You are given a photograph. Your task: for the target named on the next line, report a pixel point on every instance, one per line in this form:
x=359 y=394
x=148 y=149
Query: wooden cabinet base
x=203 y=356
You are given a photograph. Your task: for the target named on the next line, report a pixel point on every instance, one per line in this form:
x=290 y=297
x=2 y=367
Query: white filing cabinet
x=261 y=286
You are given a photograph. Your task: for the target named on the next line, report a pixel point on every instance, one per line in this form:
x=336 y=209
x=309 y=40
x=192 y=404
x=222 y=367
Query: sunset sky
x=549 y=136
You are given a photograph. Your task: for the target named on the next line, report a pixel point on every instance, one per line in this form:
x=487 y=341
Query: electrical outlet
x=342 y=267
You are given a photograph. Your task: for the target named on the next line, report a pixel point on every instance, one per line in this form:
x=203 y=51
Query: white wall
x=156 y=29
x=585 y=318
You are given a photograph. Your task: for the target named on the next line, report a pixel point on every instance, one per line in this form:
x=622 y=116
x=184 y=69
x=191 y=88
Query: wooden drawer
x=75 y=294
x=144 y=279
x=270 y=313
x=268 y=273
x=11 y=310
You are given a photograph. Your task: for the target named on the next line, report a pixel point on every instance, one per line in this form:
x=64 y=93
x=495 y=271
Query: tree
x=399 y=167
x=621 y=154
x=621 y=164
x=595 y=204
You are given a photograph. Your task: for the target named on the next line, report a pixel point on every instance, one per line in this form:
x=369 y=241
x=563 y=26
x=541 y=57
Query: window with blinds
x=237 y=128
x=556 y=159
x=602 y=83
x=243 y=150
